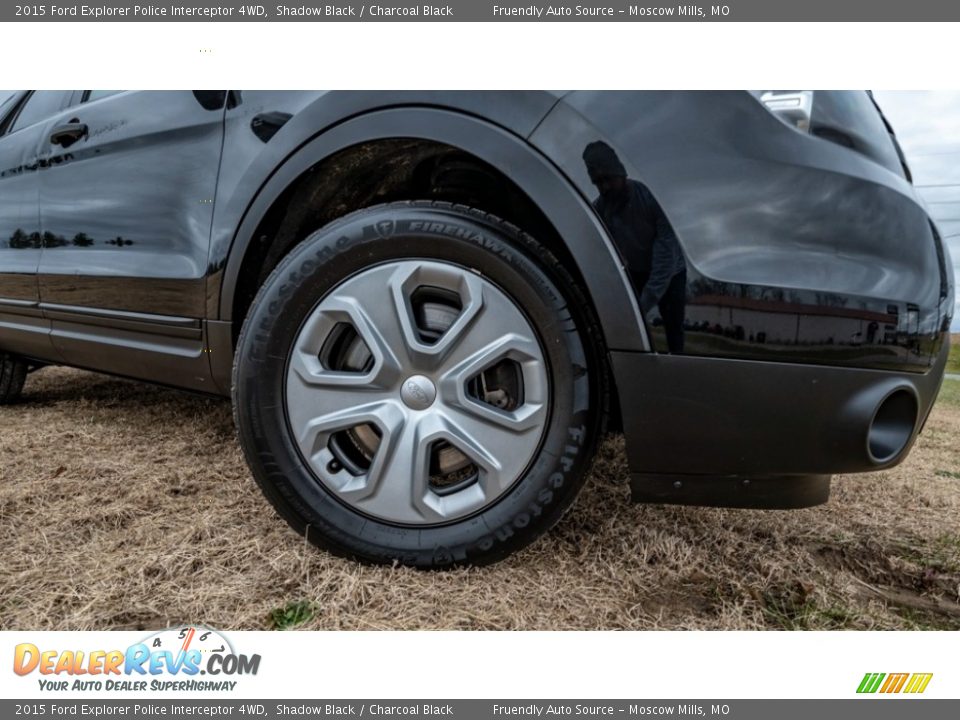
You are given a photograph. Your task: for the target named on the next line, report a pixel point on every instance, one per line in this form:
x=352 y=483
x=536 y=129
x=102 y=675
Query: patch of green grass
x=948 y=474
x=950 y=392
x=793 y=608
x=944 y=553
x=292 y=614
x=835 y=617
x=786 y=614
x=940 y=554
x=919 y=620
x=953 y=361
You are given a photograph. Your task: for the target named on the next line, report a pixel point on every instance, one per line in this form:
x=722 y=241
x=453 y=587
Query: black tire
x=500 y=253
x=13 y=373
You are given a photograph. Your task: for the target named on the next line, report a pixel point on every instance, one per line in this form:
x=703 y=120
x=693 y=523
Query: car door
x=23 y=119
x=126 y=198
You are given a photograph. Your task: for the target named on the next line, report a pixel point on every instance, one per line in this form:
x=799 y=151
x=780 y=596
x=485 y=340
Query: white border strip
x=561 y=665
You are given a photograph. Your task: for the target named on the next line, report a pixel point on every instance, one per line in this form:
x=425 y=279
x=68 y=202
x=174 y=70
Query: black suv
x=428 y=306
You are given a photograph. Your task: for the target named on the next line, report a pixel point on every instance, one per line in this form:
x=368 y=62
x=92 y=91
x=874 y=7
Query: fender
x=249 y=166
x=594 y=253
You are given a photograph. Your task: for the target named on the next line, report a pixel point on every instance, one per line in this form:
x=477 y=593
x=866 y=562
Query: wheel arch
x=583 y=239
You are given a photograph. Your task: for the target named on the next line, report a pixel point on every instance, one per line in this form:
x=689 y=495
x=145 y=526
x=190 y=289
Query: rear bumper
x=696 y=428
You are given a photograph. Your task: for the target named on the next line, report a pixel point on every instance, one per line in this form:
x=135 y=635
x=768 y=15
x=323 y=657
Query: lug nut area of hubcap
x=418 y=392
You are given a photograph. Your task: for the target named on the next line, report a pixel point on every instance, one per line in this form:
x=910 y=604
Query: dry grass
x=129 y=506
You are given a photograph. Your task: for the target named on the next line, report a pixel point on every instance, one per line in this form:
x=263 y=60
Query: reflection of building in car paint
x=725 y=324
x=767 y=321
x=764 y=323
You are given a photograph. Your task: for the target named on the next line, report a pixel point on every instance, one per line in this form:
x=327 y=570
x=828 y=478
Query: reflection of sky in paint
x=927 y=122
x=928 y=126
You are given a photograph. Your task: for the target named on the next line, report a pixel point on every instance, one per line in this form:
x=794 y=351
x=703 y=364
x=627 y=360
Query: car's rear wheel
x=13 y=373
x=419 y=383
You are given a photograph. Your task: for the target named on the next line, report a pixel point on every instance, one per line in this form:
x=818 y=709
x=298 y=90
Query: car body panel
x=809 y=264
x=126 y=211
x=797 y=249
x=125 y=215
x=22 y=325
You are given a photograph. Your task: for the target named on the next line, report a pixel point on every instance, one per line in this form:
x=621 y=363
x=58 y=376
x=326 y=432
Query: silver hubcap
x=417 y=392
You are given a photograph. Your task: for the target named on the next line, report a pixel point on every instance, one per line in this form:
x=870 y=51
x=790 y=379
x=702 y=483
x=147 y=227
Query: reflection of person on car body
x=644 y=236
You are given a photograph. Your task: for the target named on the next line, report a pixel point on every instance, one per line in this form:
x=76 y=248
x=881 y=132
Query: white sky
x=927 y=122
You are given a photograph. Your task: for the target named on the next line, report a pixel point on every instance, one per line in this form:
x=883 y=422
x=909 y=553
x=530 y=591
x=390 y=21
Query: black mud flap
x=775 y=493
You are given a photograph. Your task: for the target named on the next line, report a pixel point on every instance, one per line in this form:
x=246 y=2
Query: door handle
x=68 y=133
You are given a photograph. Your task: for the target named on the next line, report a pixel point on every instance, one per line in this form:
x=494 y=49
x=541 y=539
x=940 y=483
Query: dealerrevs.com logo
x=172 y=659
x=891 y=683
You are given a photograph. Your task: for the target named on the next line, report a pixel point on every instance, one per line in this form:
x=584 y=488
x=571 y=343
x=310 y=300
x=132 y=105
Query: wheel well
x=384 y=171
x=377 y=172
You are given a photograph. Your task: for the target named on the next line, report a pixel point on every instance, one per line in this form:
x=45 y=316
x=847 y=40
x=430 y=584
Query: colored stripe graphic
x=918 y=682
x=894 y=683
x=870 y=682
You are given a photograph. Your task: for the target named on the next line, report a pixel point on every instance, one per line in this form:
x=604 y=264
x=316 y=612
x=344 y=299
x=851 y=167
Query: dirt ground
x=126 y=506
